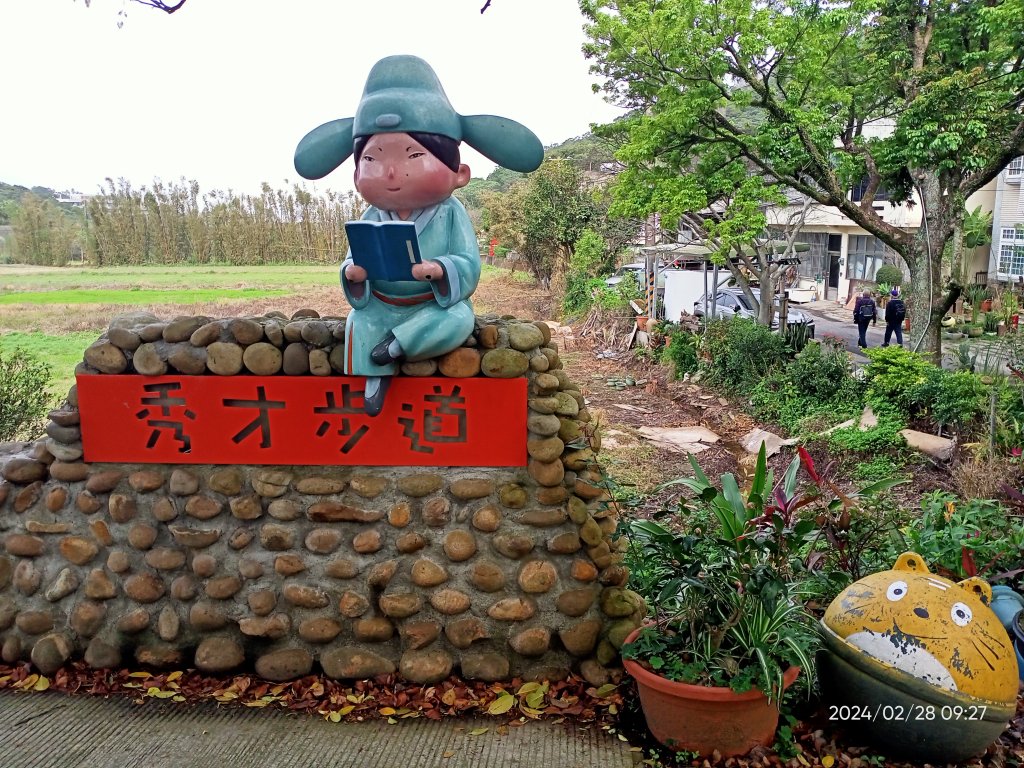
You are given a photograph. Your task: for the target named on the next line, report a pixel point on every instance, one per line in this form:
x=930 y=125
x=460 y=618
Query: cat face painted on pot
x=942 y=633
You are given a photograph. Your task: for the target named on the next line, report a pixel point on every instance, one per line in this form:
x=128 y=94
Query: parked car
x=732 y=302
x=638 y=269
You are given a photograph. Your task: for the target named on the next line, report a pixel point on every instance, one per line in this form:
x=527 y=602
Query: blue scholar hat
x=403 y=95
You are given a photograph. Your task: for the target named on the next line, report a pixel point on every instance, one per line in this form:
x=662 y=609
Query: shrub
x=741 y=353
x=866 y=540
x=889 y=274
x=24 y=400
x=580 y=293
x=966 y=538
x=777 y=399
x=821 y=371
x=893 y=374
x=1010 y=416
x=586 y=260
x=617 y=296
x=680 y=349
x=961 y=400
x=814 y=391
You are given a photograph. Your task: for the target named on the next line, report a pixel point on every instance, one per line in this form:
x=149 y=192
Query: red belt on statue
x=404 y=301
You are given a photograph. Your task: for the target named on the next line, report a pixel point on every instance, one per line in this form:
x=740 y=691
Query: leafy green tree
x=736 y=101
x=543 y=217
x=7 y=210
x=588 y=259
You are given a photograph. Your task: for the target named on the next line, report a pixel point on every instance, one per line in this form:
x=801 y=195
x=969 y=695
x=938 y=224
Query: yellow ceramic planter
x=918 y=664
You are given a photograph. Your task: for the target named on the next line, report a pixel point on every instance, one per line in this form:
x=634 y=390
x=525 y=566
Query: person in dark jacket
x=895 y=312
x=864 y=312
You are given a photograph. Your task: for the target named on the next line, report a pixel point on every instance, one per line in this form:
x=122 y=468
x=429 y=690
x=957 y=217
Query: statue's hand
x=355 y=273
x=428 y=270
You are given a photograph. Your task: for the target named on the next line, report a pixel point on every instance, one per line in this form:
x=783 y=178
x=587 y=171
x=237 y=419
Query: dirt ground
x=627 y=392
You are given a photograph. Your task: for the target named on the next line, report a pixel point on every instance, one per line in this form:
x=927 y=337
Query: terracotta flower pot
x=700 y=719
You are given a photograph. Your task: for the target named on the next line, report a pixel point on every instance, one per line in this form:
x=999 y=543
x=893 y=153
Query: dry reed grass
x=981 y=476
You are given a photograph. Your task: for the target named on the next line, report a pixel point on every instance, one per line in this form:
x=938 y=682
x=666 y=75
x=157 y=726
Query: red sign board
x=308 y=420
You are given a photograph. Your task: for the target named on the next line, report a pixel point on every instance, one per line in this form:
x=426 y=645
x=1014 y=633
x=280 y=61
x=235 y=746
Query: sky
x=221 y=91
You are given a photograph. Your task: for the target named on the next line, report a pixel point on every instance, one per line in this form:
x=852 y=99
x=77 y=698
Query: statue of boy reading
x=405 y=137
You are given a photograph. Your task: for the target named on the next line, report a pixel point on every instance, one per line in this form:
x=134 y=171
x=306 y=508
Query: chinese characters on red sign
x=302 y=420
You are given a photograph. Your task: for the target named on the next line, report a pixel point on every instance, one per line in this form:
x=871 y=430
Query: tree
x=44 y=233
x=736 y=100
x=543 y=217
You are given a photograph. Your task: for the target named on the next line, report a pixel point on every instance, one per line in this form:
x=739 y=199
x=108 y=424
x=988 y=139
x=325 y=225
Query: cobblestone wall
x=490 y=573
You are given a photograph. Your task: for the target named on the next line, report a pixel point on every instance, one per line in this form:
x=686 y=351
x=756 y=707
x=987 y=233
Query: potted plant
x=974 y=330
x=730 y=631
x=1010 y=308
x=991 y=323
x=882 y=291
x=975 y=294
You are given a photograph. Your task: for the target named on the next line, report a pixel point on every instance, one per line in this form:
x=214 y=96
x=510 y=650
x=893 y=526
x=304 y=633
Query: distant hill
x=11 y=194
x=587 y=152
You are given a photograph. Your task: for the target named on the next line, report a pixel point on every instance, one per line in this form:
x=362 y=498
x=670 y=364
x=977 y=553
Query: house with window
x=842 y=256
x=1006 y=263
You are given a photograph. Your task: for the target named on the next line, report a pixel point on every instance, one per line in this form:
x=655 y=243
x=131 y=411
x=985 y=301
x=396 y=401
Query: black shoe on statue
x=380 y=354
x=373 y=394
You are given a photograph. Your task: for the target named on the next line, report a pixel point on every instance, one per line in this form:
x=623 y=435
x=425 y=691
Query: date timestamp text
x=904 y=713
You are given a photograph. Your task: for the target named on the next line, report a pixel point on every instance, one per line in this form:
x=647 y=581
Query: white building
x=1006 y=262
x=843 y=256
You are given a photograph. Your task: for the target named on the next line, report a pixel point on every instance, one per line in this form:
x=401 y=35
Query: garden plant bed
x=627 y=392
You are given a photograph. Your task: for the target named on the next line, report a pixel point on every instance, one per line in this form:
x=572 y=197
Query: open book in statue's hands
x=387 y=250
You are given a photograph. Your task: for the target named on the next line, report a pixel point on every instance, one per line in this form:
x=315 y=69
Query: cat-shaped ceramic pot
x=917 y=663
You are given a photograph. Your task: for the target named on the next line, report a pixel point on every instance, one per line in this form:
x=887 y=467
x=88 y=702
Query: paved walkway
x=837 y=320
x=54 y=730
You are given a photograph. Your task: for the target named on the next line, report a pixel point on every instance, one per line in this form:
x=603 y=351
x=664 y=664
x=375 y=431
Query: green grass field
x=61 y=353
x=18 y=277
x=34 y=298
x=34 y=311
x=142 y=296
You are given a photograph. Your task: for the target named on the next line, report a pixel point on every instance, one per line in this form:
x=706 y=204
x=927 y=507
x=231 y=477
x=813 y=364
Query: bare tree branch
x=172 y=7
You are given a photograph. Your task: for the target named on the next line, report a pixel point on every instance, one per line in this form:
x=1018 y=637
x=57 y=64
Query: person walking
x=895 y=312
x=864 y=312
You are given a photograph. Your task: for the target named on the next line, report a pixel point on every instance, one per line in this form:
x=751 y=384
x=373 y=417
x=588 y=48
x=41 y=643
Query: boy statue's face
x=396 y=173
